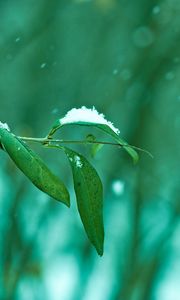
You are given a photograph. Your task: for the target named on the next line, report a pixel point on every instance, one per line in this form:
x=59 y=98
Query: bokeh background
x=123 y=58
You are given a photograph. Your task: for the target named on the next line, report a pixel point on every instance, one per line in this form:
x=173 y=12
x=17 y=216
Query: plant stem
x=49 y=141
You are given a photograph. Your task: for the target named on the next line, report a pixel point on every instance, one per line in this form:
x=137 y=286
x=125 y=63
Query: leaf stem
x=49 y=141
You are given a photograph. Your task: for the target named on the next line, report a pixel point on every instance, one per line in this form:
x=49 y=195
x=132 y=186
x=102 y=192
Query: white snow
x=156 y=10
x=115 y=71
x=118 y=187
x=17 y=39
x=4 y=126
x=77 y=161
x=55 y=111
x=86 y=115
x=43 y=65
x=169 y=75
x=60 y=277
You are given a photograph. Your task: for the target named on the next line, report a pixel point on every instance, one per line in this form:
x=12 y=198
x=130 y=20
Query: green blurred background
x=123 y=58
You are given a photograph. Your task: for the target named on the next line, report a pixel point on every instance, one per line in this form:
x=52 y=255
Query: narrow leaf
x=90 y=117
x=94 y=147
x=114 y=135
x=89 y=196
x=121 y=142
x=33 y=167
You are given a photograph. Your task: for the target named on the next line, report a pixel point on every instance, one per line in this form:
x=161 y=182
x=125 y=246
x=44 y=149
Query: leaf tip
x=100 y=252
x=136 y=159
x=99 y=243
x=66 y=200
x=68 y=204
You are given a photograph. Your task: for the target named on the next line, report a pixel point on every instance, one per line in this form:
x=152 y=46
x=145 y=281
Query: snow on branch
x=4 y=126
x=86 y=115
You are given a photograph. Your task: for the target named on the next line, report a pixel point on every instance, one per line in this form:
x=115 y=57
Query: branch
x=49 y=141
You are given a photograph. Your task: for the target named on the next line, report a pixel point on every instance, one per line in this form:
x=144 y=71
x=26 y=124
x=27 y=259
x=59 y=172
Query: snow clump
x=4 y=126
x=86 y=115
x=77 y=161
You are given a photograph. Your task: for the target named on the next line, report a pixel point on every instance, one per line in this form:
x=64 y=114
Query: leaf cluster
x=87 y=183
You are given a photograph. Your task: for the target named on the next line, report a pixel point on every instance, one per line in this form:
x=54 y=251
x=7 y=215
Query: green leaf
x=121 y=142
x=89 y=195
x=103 y=127
x=33 y=167
x=94 y=147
